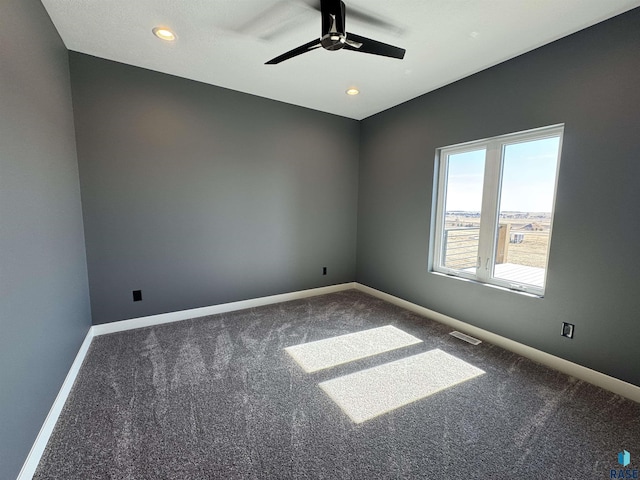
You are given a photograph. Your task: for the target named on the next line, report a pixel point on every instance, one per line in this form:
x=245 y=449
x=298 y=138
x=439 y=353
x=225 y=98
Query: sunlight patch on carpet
x=372 y=392
x=327 y=353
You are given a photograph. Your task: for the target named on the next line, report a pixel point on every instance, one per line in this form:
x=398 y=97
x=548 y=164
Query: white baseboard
x=33 y=459
x=214 y=309
x=628 y=390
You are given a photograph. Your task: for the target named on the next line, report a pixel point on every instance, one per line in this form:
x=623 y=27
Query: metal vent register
x=466 y=338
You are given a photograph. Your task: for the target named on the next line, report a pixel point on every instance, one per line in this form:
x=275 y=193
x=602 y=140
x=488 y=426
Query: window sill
x=497 y=287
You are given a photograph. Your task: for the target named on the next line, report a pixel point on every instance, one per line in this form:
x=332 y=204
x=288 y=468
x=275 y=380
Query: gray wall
x=198 y=195
x=44 y=303
x=591 y=82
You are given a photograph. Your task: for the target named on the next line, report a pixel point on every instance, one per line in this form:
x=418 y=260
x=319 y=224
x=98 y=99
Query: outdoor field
x=527 y=243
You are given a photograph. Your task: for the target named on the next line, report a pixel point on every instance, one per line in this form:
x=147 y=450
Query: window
x=494 y=208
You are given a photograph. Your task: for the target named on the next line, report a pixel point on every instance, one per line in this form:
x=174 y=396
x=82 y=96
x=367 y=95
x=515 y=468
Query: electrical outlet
x=324 y=270
x=567 y=329
x=137 y=295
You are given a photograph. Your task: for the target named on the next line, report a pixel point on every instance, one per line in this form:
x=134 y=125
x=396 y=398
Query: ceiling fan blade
x=315 y=4
x=307 y=47
x=373 y=46
x=351 y=43
x=364 y=16
x=276 y=20
x=373 y=20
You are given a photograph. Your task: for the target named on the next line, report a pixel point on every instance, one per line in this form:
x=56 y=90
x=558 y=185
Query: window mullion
x=490 y=195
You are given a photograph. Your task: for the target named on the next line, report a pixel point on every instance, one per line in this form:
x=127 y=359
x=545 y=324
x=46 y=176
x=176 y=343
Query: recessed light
x=163 y=33
x=352 y=91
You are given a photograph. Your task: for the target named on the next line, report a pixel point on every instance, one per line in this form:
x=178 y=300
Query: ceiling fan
x=335 y=37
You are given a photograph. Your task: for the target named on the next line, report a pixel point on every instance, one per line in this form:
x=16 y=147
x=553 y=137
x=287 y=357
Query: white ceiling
x=227 y=42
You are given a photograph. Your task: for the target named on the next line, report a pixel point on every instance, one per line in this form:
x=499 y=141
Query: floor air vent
x=466 y=338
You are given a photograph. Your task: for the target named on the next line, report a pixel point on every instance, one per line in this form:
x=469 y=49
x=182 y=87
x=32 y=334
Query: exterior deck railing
x=460 y=247
x=519 y=247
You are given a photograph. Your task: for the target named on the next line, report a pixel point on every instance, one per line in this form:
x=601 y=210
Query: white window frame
x=494 y=160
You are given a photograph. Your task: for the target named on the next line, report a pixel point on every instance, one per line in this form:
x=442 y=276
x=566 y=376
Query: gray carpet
x=218 y=397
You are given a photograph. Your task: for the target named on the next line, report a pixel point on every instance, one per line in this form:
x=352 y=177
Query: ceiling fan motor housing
x=334 y=33
x=334 y=37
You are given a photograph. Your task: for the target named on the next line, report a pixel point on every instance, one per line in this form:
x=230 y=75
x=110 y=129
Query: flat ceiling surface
x=227 y=42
